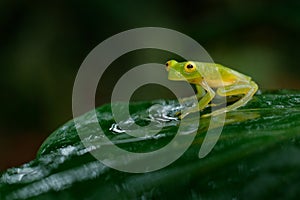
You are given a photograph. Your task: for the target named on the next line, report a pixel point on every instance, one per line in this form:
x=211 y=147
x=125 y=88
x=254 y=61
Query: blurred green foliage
x=43 y=44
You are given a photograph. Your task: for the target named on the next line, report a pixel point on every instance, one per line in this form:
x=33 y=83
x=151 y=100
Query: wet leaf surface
x=256 y=157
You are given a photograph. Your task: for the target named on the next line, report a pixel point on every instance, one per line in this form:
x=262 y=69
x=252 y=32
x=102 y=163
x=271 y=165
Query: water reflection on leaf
x=257 y=152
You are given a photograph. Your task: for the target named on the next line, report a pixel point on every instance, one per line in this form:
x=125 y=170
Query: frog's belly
x=219 y=83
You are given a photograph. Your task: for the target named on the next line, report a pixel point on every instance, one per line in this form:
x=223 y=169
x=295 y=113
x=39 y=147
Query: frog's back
x=230 y=73
x=212 y=73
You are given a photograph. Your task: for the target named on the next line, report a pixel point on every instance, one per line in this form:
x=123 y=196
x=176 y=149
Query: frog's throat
x=176 y=76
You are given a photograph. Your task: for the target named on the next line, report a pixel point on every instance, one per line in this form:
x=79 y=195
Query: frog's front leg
x=188 y=101
x=204 y=101
x=200 y=91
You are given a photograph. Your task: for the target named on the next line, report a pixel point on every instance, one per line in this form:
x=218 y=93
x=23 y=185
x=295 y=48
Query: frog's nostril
x=167 y=66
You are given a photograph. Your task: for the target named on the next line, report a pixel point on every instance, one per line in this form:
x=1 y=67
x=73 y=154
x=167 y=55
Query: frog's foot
x=212 y=105
x=178 y=115
x=215 y=113
x=181 y=115
x=186 y=112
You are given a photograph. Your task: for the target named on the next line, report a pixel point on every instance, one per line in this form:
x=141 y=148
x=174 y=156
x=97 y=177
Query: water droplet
x=116 y=129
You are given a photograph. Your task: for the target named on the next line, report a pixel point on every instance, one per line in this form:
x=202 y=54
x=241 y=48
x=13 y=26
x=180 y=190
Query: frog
x=211 y=80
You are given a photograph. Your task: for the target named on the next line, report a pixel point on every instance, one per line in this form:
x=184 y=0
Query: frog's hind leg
x=248 y=89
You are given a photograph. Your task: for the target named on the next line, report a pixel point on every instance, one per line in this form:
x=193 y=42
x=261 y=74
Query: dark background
x=43 y=44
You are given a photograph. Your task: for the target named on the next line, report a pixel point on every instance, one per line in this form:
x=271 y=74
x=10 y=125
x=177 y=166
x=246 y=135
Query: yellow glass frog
x=206 y=76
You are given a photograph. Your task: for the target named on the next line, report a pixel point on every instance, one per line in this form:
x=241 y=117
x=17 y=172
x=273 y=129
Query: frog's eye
x=189 y=67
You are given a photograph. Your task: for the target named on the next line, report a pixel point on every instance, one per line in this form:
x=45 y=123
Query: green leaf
x=256 y=157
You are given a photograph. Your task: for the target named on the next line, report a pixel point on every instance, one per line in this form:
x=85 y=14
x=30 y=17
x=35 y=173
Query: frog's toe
x=178 y=114
x=206 y=115
x=181 y=115
x=215 y=113
x=211 y=105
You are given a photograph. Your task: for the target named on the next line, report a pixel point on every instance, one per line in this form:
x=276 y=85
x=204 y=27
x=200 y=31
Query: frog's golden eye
x=189 y=67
